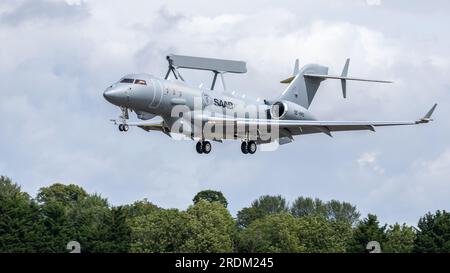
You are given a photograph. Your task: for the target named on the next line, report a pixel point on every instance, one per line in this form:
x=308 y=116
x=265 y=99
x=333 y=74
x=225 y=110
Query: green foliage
x=271 y=204
x=308 y=207
x=399 y=239
x=160 y=231
x=318 y=234
x=210 y=228
x=247 y=215
x=140 y=208
x=261 y=207
x=367 y=230
x=332 y=210
x=64 y=194
x=63 y=213
x=211 y=196
x=285 y=233
x=70 y=214
x=433 y=233
x=273 y=233
x=19 y=219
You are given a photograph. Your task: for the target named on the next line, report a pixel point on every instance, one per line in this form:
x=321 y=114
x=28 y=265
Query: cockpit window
x=140 y=82
x=127 y=80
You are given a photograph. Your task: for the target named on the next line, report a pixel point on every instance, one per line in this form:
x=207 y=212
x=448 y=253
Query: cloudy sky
x=57 y=57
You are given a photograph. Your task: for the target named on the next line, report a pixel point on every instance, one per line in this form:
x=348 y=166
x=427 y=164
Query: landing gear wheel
x=206 y=147
x=244 y=146
x=199 y=147
x=123 y=127
x=251 y=147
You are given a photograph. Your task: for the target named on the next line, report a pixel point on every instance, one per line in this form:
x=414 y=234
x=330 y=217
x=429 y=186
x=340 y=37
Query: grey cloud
x=32 y=10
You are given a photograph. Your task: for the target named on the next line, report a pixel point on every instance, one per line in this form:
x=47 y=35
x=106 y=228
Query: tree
x=285 y=233
x=114 y=232
x=320 y=235
x=342 y=211
x=64 y=194
x=140 y=208
x=399 y=239
x=308 y=207
x=271 y=204
x=161 y=231
x=247 y=215
x=332 y=210
x=367 y=230
x=273 y=233
x=433 y=233
x=261 y=207
x=69 y=213
x=19 y=219
x=211 y=196
x=86 y=221
x=210 y=228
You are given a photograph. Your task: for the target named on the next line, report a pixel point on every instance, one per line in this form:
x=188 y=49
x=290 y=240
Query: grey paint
x=200 y=63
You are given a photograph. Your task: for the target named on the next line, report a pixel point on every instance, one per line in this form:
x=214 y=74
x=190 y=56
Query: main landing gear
x=203 y=147
x=248 y=147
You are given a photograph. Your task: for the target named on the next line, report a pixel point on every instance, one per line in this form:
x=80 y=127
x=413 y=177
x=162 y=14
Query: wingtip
x=427 y=118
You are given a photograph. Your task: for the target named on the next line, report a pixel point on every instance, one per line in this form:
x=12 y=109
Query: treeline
x=62 y=213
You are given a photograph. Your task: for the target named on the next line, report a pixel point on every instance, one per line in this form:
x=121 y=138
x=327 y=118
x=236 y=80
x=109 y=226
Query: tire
x=244 y=147
x=199 y=147
x=121 y=127
x=125 y=127
x=251 y=147
x=206 y=147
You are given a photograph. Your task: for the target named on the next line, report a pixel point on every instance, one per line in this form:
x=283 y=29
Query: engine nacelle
x=288 y=110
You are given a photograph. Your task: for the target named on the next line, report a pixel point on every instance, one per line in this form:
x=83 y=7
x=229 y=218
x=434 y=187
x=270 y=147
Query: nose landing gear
x=123 y=127
x=203 y=147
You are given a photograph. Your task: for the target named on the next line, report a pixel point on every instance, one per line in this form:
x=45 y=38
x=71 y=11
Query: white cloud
x=373 y=2
x=370 y=160
x=55 y=127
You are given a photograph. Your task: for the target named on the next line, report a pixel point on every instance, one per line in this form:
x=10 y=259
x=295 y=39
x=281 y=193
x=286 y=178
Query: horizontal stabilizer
x=288 y=80
x=343 y=78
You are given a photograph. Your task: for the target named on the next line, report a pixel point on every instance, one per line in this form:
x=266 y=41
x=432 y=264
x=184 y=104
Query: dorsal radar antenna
x=216 y=66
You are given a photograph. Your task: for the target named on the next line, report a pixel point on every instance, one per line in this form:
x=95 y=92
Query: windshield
x=140 y=82
x=126 y=80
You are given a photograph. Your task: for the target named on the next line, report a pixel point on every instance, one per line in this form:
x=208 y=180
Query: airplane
x=203 y=114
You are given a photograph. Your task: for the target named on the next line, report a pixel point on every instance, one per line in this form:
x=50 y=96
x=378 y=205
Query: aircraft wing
x=317 y=126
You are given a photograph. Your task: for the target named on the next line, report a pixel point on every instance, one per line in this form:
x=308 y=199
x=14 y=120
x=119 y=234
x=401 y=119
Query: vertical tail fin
x=296 y=67
x=301 y=90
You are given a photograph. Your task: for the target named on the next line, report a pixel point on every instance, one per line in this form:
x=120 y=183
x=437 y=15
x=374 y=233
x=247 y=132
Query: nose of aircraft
x=117 y=96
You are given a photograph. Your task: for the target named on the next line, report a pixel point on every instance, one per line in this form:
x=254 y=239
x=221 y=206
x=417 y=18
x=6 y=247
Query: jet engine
x=287 y=110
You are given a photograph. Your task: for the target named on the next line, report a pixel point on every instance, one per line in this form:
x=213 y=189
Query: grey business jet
x=177 y=109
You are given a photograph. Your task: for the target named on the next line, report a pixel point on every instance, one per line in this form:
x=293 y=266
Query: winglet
x=345 y=70
x=344 y=75
x=427 y=118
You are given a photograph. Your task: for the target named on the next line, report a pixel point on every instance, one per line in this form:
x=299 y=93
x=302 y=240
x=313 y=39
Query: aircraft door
x=157 y=94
